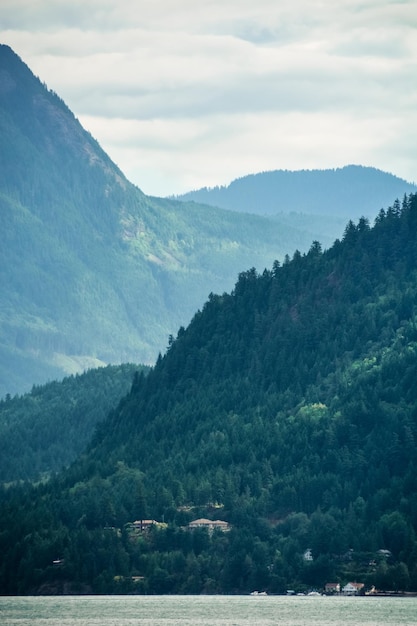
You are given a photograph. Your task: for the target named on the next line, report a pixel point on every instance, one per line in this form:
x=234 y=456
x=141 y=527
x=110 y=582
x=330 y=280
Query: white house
x=144 y=525
x=308 y=555
x=352 y=589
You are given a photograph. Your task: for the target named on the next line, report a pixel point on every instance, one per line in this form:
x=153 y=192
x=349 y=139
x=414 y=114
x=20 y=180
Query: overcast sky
x=189 y=93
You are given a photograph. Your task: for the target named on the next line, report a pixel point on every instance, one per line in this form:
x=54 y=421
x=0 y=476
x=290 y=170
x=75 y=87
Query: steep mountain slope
x=92 y=271
x=283 y=331
x=44 y=430
x=287 y=408
x=349 y=192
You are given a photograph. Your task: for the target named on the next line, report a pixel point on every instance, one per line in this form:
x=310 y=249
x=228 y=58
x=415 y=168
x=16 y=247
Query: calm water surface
x=206 y=611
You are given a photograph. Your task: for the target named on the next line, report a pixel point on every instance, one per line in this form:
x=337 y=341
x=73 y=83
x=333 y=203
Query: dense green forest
x=287 y=408
x=44 y=430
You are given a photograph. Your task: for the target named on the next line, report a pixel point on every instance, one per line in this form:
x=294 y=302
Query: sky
x=184 y=94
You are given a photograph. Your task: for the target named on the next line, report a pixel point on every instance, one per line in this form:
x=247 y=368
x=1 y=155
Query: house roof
x=209 y=523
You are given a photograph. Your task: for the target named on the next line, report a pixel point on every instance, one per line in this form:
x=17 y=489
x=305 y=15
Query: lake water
x=206 y=611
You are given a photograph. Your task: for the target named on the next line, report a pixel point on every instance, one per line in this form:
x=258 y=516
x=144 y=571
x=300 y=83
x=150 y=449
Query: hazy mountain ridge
x=348 y=192
x=92 y=270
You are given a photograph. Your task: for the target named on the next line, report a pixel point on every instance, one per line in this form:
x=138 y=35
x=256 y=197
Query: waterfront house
x=332 y=588
x=352 y=589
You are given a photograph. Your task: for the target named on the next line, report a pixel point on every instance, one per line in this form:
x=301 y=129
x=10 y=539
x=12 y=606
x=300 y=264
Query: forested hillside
x=348 y=192
x=93 y=271
x=44 y=430
x=287 y=408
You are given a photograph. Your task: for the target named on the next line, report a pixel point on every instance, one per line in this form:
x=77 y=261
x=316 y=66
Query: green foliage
x=45 y=430
x=287 y=407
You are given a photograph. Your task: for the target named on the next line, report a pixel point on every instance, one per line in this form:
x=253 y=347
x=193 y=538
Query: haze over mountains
x=352 y=192
x=95 y=272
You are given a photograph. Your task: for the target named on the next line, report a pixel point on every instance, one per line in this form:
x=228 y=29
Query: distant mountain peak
x=349 y=191
x=41 y=115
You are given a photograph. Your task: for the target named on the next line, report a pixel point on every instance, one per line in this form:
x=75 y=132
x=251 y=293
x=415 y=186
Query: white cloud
x=184 y=94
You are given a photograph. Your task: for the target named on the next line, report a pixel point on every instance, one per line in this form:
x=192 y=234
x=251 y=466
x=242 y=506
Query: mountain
x=349 y=192
x=45 y=430
x=287 y=408
x=93 y=271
